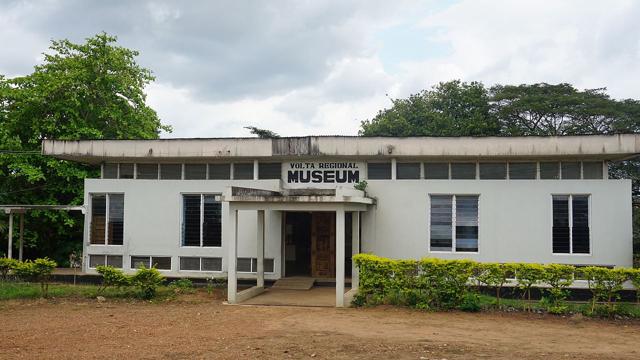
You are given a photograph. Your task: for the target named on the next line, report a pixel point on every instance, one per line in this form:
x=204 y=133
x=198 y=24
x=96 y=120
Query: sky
x=321 y=67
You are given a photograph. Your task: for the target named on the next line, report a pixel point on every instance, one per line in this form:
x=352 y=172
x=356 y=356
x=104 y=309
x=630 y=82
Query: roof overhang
x=603 y=147
x=16 y=209
x=338 y=195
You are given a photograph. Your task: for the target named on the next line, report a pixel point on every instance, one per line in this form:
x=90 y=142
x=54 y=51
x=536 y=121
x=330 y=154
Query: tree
x=93 y=90
x=451 y=108
x=262 y=133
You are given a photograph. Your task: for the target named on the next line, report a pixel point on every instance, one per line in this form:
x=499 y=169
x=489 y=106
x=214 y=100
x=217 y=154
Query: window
x=454 y=223
x=463 y=171
x=195 y=171
x=592 y=170
x=550 y=170
x=147 y=171
x=159 y=262
x=126 y=171
x=493 y=171
x=109 y=260
x=571 y=224
x=243 y=171
x=110 y=171
x=436 y=171
x=408 y=170
x=269 y=170
x=201 y=220
x=219 y=171
x=193 y=263
x=522 y=171
x=170 y=171
x=570 y=170
x=379 y=171
x=250 y=265
x=107 y=219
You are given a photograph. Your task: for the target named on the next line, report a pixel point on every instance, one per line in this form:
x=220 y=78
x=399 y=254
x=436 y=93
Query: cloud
x=320 y=67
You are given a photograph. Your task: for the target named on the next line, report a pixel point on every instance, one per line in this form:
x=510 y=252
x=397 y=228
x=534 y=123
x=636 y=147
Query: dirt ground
x=196 y=327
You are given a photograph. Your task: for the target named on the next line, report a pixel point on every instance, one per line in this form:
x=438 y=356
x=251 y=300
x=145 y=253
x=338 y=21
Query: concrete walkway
x=317 y=296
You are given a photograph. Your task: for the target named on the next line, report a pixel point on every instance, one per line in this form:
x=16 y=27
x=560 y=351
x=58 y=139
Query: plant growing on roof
x=361 y=185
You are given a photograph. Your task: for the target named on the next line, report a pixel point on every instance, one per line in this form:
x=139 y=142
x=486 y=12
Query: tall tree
x=93 y=90
x=451 y=108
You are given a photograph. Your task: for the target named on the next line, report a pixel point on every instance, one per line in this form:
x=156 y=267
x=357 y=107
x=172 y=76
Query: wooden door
x=323 y=244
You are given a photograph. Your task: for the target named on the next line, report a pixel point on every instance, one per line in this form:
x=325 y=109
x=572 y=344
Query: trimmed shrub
x=444 y=282
x=147 y=281
x=494 y=275
x=528 y=276
x=39 y=270
x=6 y=265
x=112 y=277
x=559 y=277
x=634 y=276
x=604 y=285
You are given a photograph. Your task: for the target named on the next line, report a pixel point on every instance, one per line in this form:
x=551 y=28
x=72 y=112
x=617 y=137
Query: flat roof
x=602 y=147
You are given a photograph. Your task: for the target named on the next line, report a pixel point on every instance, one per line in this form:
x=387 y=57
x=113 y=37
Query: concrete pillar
x=355 y=247
x=256 y=169
x=10 y=245
x=340 y=245
x=21 y=237
x=232 y=279
x=394 y=164
x=260 y=256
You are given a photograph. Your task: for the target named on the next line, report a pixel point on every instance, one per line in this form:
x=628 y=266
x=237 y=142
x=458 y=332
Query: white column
x=355 y=247
x=260 y=257
x=232 y=279
x=340 y=257
x=21 y=237
x=255 y=169
x=10 y=245
x=393 y=168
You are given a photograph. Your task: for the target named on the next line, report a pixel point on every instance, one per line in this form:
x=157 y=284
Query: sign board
x=321 y=174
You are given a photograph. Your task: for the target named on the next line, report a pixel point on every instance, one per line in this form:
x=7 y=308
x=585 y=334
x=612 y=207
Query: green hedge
x=436 y=284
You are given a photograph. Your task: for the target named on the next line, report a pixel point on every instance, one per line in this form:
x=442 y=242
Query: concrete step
x=294 y=283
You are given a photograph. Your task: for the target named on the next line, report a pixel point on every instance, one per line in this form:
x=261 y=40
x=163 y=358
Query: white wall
x=515 y=218
x=152 y=221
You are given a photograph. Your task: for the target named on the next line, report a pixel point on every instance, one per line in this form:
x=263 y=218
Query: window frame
x=570 y=200
x=106 y=262
x=217 y=197
x=251 y=262
x=454 y=212
x=391 y=170
x=106 y=219
x=200 y=261
x=150 y=263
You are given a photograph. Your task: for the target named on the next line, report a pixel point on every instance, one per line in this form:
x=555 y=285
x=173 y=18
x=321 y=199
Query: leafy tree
x=451 y=108
x=262 y=133
x=93 y=90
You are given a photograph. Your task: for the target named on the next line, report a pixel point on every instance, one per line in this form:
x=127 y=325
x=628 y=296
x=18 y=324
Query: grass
x=21 y=290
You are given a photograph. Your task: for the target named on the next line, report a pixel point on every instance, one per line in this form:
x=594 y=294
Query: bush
x=181 y=286
x=604 y=284
x=494 y=275
x=39 y=270
x=112 y=277
x=634 y=277
x=6 y=265
x=470 y=302
x=147 y=281
x=444 y=282
x=528 y=276
x=559 y=278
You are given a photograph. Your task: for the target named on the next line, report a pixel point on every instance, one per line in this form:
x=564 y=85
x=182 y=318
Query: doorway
x=310 y=244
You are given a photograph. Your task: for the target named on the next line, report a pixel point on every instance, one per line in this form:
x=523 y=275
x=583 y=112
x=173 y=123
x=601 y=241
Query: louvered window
x=493 y=171
x=107 y=219
x=550 y=170
x=269 y=170
x=170 y=171
x=195 y=171
x=571 y=224
x=110 y=171
x=158 y=262
x=408 y=171
x=570 y=170
x=436 y=171
x=219 y=171
x=201 y=220
x=243 y=171
x=454 y=223
x=523 y=171
x=109 y=260
x=250 y=265
x=463 y=171
x=147 y=171
x=592 y=170
x=193 y=263
x=379 y=171
x=126 y=171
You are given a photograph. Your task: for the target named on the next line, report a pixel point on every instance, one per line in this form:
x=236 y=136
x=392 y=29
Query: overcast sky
x=320 y=67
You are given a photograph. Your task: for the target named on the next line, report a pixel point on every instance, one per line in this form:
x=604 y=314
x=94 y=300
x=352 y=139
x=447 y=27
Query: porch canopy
x=339 y=200
x=21 y=209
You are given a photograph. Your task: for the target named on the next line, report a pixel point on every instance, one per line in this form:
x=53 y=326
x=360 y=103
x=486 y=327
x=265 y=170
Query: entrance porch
x=335 y=204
